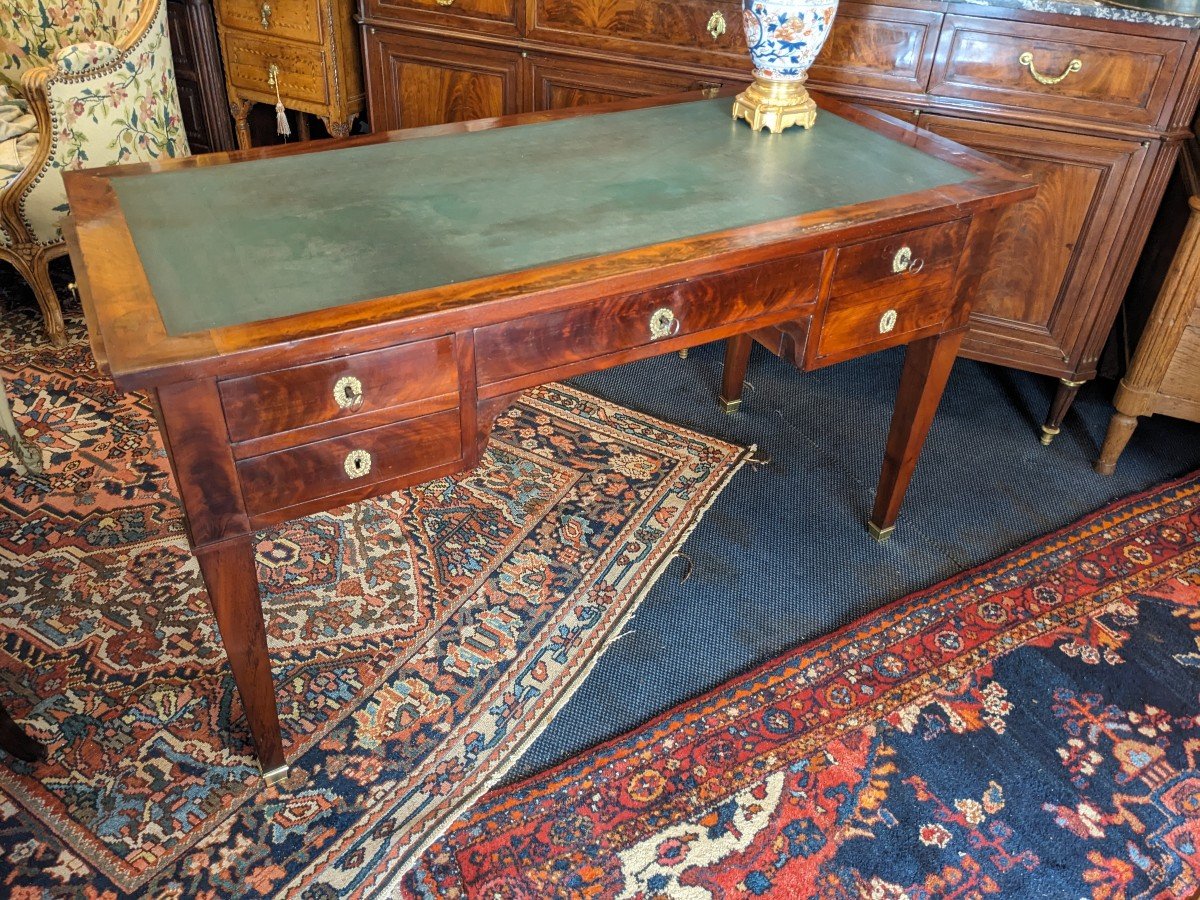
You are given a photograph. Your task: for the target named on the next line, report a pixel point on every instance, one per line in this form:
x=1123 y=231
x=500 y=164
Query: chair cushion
x=88 y=55
x=18 y=136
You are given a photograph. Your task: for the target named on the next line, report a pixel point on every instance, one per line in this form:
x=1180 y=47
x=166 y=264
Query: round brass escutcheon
x=715 y=27
x=663 y=324
x=357 y=463
x=887 y=321
x=348 y=392
x=902 y=260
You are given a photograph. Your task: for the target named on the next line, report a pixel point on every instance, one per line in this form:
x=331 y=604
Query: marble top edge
x=1094 y=10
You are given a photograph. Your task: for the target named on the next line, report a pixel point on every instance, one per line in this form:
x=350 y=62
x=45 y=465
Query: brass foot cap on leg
x=683 y=353
x=1048 y=433
x=880 y=534
x=730 y=406
x=276 y=775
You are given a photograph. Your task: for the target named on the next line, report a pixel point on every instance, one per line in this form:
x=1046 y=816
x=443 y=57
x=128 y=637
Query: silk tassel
x=281 y=122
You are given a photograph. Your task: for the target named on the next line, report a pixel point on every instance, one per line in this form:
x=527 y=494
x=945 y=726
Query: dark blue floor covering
x=783 y=555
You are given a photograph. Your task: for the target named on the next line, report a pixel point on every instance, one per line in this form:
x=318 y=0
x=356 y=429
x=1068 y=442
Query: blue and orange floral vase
x=784 y=37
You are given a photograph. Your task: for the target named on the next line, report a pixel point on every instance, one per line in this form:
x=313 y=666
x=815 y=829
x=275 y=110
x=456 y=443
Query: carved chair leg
x=240 y=110
x=35 y=269
x=737 y=358
x=1063 y=398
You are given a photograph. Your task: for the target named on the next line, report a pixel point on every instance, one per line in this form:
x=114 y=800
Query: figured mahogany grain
x=272 y=402
x=311 y=471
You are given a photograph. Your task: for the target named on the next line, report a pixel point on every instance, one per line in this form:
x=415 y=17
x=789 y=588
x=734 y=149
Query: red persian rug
x=418 y=641
x=1028 y=729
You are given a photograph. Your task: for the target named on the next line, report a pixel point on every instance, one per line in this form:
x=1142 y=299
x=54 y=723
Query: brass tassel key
x=281 y=123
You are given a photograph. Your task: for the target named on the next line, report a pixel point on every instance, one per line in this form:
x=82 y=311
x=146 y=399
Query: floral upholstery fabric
x=122 y=110
x=18 y=141
x=78 y=58
x=32 y=31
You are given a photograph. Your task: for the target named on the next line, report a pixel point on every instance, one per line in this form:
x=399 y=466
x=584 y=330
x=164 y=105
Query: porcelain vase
x=784 y=37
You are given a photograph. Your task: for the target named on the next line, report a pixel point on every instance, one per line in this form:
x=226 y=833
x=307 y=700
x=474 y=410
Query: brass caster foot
x=683 y=353
x=730 y=406
x=1048 y=433
x=880 y=534
x=276 y=775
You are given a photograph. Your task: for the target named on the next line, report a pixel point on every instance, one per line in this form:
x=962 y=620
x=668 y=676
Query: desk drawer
x=886 y=289
x=299 y=20
x=259 y=405
x=1120 y=77
x=326 y=468
x=248 y=61
x=463 y=13
x=703 y=31
x=545 y=342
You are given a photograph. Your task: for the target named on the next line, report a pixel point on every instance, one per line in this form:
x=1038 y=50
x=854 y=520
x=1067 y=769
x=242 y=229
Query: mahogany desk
x=318 y=325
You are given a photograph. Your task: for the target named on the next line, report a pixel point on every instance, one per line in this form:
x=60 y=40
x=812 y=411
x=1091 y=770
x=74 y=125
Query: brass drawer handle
x=663 y=324
x=445 y=2
x=887 y=321
x=357 y=463
x=348 y=392
x=715 y=26
x=1026 y=59
x=265 y=21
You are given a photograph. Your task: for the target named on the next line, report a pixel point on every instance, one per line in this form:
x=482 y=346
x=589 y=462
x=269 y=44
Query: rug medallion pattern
x=1028 y=729
x=418 y=641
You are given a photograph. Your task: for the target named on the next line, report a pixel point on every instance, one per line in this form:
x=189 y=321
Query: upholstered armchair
x=83 y=83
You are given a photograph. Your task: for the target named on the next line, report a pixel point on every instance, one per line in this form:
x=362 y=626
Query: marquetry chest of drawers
x=303 y=53
x=1094 y=107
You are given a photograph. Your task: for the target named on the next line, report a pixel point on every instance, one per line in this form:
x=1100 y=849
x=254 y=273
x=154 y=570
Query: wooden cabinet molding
x=1102 y=139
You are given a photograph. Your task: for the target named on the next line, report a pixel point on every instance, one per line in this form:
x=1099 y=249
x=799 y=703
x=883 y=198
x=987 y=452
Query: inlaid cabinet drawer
x=465 y=13
x=891 y=287
x=326 y=468
x=698 y=29
x=361 y=383
x=510 y=350
x=299 y=20
x=882 y=47
x=1072 y=71
x=300 y=69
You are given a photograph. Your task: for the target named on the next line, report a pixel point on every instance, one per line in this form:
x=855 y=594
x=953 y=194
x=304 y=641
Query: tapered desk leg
x=927 y=365
x=737 y=357
x=232 y=581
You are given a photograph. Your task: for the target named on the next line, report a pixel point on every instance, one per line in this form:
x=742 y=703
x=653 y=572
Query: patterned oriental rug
x=1028 y=729
x=418 y=641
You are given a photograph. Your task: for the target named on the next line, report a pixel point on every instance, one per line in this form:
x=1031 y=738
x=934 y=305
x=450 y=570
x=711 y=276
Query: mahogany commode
x=319 y=325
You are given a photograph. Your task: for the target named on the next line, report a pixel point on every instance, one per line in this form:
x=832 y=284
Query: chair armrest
x=76 y=59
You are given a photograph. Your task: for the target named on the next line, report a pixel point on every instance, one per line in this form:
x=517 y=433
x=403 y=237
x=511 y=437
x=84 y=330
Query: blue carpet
x=783 y=555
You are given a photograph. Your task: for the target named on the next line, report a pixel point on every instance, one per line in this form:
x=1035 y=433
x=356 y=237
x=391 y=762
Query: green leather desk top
x=238 y=243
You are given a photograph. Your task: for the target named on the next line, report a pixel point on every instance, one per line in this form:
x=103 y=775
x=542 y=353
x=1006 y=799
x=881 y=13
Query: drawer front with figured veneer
x=1067 y=71
x=299 y=20
x=886 y=290
x=567 y=337
x=880 y=47
x=500 y=15
x=359 y=384
x=352 y=462
x=299 y=69
x=701 y=30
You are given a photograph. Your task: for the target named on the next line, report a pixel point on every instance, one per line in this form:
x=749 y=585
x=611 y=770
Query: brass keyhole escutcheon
x=716 y=25
x=357 y=463
x=887 y=321
x=902 y=260
x=348 y=392
x=265 y=10
x=663 y=324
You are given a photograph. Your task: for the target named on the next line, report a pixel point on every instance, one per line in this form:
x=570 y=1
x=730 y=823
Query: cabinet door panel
x=1049 y=270
x=883 y=47
x=556 y=84
x=414 y=82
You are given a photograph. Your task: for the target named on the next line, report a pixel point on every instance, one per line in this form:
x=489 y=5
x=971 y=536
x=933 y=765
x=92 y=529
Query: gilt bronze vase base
x=775 y=105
